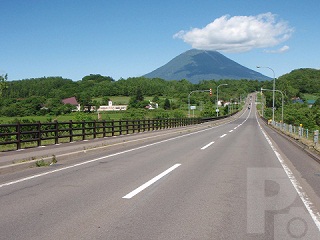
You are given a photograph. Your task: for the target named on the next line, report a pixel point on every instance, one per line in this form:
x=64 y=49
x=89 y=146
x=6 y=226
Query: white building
x=112 y=107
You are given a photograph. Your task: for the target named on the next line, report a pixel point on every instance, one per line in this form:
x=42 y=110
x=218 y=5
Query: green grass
x=61 y=118
x=110 y=115
x=310 y=96
x=116 y=100
x=42 y=163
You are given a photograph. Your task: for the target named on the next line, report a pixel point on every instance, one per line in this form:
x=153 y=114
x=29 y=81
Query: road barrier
x=24 y=135
x=307 y=136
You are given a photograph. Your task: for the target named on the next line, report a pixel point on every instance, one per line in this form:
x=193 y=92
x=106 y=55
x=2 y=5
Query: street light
x=274 y=88
x=217 y=109
x=263 y=89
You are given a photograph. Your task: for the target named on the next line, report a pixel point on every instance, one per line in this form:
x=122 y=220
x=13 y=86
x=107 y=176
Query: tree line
x=37 y=96
x=42 y=96
x=296 y=87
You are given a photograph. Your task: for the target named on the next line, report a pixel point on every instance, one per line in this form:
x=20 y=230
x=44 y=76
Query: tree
x=3 y=83
x=317 y=103
x=139 y=95
x=155 y=99
x=138 y=101
x=97 y=78
x=167 y=104
x=86 y=102
x=105 y=100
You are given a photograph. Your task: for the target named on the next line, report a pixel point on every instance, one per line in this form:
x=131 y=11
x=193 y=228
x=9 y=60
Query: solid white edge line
x=303 y=196
x=208 y=145
x=150 y=182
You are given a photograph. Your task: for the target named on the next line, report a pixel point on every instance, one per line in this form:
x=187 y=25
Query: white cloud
x=238 y=33
x=280 y=50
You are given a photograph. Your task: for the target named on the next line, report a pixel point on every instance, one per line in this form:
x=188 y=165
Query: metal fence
x=23 y=135
x=298 y=132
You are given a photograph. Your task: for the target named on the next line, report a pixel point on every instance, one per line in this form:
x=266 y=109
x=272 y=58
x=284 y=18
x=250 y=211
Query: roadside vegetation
x=39 y=99
x=301 y=90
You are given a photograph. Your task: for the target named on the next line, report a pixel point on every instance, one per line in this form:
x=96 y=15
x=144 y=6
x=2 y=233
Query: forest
x=42 y=96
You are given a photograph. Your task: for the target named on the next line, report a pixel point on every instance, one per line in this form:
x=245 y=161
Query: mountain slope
x=196 y=65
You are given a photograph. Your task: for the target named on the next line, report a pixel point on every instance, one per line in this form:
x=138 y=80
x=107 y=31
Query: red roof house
x=73 y=101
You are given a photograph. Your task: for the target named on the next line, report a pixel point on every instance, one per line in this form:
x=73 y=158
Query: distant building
x=73 y=101
x=152 y=105
x=310 y=103
x=112 y=107
x=297 y=100
x=229 y=103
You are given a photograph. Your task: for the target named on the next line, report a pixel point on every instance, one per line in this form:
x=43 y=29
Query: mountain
x=196 y=65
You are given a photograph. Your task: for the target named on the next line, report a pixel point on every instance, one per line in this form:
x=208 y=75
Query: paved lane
x=223 y=182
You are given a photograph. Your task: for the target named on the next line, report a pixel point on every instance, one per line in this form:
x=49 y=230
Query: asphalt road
x=239 y=180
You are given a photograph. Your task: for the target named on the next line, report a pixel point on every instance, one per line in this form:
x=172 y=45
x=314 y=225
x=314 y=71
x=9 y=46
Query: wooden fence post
x=39 y=134
x=112 y=128
x=95 y=129
x=127 y=126
x=18 y=130
x=83 y=130
x=120 y=127
x=56 y=132
x=71 y=131
x=104 y=128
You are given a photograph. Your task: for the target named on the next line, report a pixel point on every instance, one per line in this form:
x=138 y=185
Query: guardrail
x=307 y=136
x=26 y=135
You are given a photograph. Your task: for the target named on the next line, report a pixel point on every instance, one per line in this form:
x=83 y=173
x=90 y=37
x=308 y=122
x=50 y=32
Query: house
x=229 y=103
x=310 y=103
x=152 y=105
x=111 y=107
x=297 y=100
x=73 y=101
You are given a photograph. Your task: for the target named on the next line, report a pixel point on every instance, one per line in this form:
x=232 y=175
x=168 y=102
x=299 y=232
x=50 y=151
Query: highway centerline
x=150 y=182
x=208 y=145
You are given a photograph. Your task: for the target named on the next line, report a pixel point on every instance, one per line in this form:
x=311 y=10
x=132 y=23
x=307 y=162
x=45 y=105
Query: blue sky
x=126 y=38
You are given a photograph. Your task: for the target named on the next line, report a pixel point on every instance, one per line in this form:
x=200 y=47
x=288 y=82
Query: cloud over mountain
x=238 y=33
